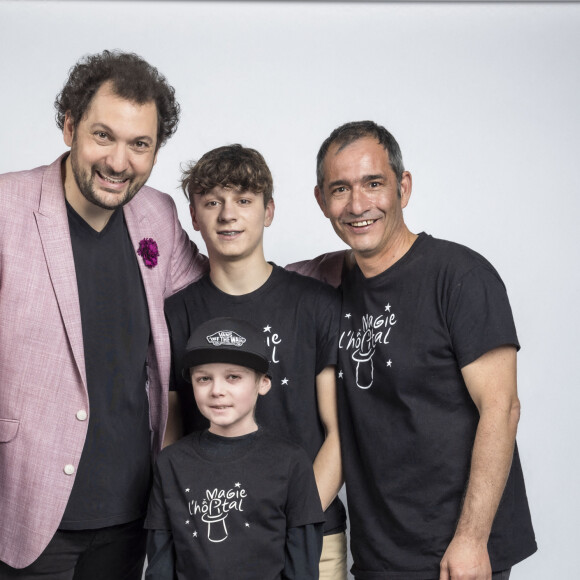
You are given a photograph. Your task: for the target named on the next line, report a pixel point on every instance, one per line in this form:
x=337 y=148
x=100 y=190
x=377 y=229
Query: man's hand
x=465 y=559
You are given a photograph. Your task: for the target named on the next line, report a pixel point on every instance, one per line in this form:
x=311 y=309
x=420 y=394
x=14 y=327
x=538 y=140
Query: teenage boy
x=230 y=195
x=232 y=500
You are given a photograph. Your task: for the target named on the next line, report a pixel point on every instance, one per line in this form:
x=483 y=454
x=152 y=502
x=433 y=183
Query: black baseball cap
x=226 y=340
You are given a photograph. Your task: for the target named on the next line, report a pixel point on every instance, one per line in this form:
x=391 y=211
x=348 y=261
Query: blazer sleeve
x=187 y=263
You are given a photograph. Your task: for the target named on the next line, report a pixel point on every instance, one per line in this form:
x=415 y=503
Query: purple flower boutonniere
x=148 y=251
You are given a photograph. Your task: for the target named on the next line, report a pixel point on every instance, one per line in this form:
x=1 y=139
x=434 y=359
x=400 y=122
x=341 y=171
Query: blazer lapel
x=52 y=223
x=139 y=228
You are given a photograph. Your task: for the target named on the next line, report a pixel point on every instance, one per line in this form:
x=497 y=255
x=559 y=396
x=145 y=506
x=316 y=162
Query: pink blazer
x=43 y=392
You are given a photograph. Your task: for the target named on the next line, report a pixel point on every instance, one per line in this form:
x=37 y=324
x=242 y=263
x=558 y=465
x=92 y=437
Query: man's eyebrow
x=107 y=129
x=373 y=177
x=363 y=179
x=100 y=125
x=338 y=182
x=147 y=138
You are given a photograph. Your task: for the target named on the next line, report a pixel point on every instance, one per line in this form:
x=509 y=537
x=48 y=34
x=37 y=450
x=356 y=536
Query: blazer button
x=69 y=469
x=82 y=415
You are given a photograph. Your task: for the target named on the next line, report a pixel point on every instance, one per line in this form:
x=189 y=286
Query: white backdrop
x=483 y=98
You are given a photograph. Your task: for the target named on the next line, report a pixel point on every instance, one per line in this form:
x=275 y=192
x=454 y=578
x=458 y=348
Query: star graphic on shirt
x=389 y=363
x=388 y=307
x=237 y=484
x=340 y=374
x=194 y=534
x=186 y=522
x=187 y=490
x=284 y=381
x=347 y=315
x=247 y=525
x=267 y=328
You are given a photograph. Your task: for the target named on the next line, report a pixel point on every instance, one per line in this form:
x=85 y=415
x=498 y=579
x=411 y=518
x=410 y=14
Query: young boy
x=230 y=195
x=233 y=501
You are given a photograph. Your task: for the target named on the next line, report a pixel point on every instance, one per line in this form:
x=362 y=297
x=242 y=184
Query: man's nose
x=358 y=202
x=117 y=159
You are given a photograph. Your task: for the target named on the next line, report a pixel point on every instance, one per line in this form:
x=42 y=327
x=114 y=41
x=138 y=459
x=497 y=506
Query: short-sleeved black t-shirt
x=299 y=318
x=229 y=516
x=407 y=420
x=114 y=473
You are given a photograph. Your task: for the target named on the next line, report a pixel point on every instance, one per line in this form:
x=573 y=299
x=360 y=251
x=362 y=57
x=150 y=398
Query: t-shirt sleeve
x=303 y=549
x=303 y=502
x=327 y=312
x=160 y=555
x=479 y=315
x=175 y=317
x=157 y=516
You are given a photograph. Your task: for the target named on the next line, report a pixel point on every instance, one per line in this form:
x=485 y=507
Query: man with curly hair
x=88 y=255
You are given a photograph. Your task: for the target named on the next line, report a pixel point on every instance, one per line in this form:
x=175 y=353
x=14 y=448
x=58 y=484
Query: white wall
x=483 y=99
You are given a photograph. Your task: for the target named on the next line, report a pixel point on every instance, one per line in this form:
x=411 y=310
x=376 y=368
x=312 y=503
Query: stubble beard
x=85 y=183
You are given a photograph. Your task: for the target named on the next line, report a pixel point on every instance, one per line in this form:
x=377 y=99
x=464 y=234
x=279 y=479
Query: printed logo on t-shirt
x=361 y=343
x=214 y=509
x=273 y=340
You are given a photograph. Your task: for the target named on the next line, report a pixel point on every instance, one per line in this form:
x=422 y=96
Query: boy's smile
x=231 y=222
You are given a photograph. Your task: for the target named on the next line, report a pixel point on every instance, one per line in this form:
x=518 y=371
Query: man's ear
x=320 y=199
x=192 y=214
x=406 y=188
x=68 y=130
x=270 y=208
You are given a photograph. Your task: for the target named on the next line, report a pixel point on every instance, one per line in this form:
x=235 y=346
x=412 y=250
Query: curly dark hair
x=132 y=78
x=353 y=131
x=228 y=166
